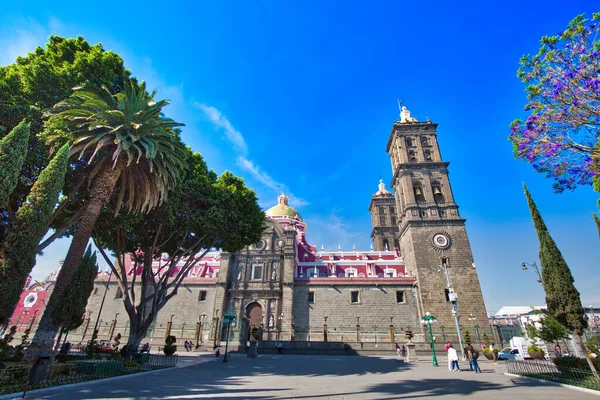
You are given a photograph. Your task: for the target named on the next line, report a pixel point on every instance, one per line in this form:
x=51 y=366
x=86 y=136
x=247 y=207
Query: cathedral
x=283 y=288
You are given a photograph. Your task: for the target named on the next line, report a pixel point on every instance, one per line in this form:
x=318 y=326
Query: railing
x=547 y=370
x=15 y=379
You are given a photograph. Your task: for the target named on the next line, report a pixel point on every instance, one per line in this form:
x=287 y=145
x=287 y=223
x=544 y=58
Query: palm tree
x=132 y=152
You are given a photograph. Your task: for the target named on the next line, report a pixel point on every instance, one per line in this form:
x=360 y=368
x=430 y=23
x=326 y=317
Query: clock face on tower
x=260 y=245
x=441 y=241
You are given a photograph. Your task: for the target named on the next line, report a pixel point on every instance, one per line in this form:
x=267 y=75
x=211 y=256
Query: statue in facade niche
x=274 y=272
x=271 y=322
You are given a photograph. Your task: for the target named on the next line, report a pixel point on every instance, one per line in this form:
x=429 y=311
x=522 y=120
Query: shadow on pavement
x=238 y=380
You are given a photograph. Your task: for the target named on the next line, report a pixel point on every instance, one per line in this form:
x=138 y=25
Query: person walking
x=453 y=357
x=475 y=363
x=473 y=356
x=279 y=347
x=493 y=351
x=398 y=350
x=448 y=345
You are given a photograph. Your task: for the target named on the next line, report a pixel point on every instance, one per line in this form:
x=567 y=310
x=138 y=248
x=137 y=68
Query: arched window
x=409 y=142
x=412 y=157
x=386 y=245
x=428 y=156
x=424 y=140
x=419 y=195
x=438 y=195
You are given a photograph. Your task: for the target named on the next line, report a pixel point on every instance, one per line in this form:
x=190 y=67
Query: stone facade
x=284 y=288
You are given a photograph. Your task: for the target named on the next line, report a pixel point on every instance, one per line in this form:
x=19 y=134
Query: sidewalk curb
x=579 y=389
x=18 y=395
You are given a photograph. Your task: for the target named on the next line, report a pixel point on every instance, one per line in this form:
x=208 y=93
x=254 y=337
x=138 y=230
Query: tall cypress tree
x=69 y=313
x=562 y=298
x=597 y=222
x=33 y=219
x=13 y=148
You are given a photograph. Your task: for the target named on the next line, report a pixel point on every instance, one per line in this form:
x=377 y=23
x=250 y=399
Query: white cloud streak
x=268 y=181
x=333 y=230
x=220 y=121
x=23 y=37
x=236 y=138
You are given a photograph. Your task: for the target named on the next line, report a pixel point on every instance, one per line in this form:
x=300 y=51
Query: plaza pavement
x=302 y=377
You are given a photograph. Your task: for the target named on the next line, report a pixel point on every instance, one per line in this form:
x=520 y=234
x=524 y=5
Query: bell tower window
x=438 y=195
x=428 y=156
x=412 y=156
x=409 y=142
x=419 y=195
x=424 y=140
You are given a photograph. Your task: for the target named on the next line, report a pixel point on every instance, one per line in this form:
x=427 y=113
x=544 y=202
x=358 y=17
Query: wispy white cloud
x=332 y=230
x=268 y=181
x=236 y=138
x=23 y=36
x=220 y=121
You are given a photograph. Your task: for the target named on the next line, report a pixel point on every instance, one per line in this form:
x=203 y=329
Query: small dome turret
x=282 y=209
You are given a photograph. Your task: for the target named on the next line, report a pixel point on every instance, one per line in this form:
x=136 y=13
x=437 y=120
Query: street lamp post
x=280 y=326
x=454 y=300
x=537 y=271
x=229 y=317
x=427 y=320
x=201 y=322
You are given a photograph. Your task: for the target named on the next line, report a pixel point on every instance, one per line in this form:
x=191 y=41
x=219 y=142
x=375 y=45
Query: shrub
x=486 y=341
x=170 y=346
x=130 y=364
x=534 y=349
x=59 y=370
x=574 y=362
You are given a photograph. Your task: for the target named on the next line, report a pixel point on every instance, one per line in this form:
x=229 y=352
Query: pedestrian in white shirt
x=453 y=357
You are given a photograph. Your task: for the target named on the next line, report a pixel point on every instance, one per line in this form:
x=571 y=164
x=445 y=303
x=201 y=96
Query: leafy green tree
x=562 y=298
x=597 y=220
x=32 y=85
x=13 y=148
x=203 y=212
x=128 y=144
x=33 y=219
x=552 y=330
x=69 y=314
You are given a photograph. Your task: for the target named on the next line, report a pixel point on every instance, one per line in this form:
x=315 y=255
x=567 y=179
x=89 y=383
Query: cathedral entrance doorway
x=254 y=314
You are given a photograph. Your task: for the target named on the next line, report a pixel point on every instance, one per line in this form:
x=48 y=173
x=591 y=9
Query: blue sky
x=301 y=99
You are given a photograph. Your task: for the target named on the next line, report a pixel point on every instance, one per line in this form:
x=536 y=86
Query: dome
x=282 y=209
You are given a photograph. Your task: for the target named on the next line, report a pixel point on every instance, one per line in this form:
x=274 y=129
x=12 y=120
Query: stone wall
x=186 y=308
x=372 y=312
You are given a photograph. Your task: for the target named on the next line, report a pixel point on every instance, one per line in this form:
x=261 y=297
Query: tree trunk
x=100 y=192
x=57 y=347
x=587 y=357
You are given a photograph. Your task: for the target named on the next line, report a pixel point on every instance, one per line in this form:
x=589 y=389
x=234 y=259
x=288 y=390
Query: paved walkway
x=302 y=377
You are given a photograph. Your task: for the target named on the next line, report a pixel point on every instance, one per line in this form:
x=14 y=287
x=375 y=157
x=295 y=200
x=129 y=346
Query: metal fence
x=15 y=379
x=547 y=370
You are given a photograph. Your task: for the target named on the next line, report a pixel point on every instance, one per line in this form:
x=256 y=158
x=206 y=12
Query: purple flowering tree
x=561 y=135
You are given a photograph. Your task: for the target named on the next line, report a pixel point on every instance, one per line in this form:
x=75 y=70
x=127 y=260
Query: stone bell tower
x=431 y=231
x=384 y=220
